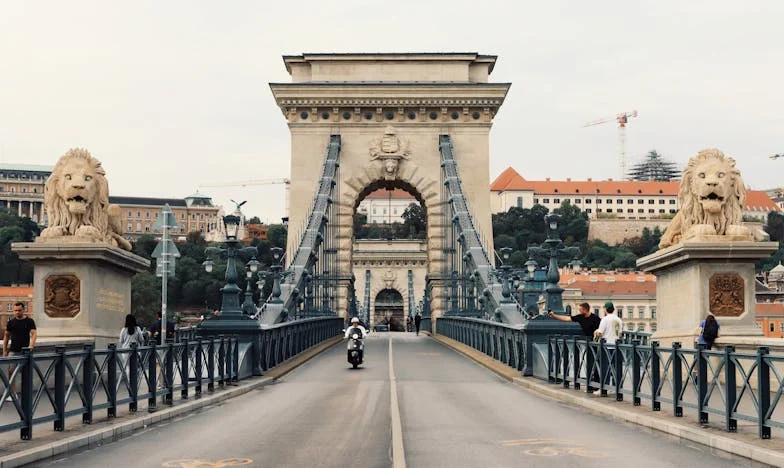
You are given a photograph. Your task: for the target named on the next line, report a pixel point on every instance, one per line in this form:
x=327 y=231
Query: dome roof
x=776 y=273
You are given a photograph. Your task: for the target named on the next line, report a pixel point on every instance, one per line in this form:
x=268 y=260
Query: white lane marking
x=398 y=452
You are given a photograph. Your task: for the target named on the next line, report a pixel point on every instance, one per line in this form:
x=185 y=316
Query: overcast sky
x=171 y=94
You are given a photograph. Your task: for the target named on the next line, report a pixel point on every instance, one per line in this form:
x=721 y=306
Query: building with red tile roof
x=770 y=317
x=9 y=295
x=386 y=206
x=605 y=198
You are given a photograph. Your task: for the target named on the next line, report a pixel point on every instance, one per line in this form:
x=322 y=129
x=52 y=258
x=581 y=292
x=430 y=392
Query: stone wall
x=614 y=231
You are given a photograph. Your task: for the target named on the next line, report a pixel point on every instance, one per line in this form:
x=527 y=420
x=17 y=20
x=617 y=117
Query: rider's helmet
x=355 y=320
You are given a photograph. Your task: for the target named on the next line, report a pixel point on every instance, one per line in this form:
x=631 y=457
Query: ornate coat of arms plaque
x=62 y=296
x=726 y=295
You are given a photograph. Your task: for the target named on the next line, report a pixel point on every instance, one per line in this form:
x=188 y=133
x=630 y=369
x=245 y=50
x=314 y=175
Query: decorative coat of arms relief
x=390 y=150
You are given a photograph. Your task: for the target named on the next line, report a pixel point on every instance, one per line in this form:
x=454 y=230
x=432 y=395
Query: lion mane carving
x=76 y=197
x=711 y=197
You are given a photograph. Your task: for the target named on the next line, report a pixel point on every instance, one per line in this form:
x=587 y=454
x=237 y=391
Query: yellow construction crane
x=622 y=119
x=254 y=182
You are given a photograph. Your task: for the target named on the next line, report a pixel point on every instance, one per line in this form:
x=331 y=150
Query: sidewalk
x=745 y=444
x=47 y=443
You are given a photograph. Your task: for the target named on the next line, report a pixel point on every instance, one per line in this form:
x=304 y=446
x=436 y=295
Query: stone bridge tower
x=389 y=110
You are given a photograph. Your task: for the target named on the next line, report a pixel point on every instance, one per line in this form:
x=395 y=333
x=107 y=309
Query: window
x=519 y=202
x=619 y=311
x=630 y=210
x=630 y=326
x=578 y=201
x=640 y=201
x=138 y=226
x=545 y=200
x=201 y=216
x=640 y=210
x=139 y=215
x=385 y=211
x=672 y=202
x=588 y=210
x=651 y=201
x=641 y=311
x=374 y=211
x=598 y=210
x=781 y=327
x=182 y=215
x=640 y=327
x=620 y=202
x=661 y=202
x=595 y=311
x=651 y=210
x=672 y=211
x=598 y=201
x=147 y=215
x=556 y=200
x=653 y=313
x=147 y=228
x=619 y=210
x=10 y=307
x=772 y=325
x=129 y=214
x=661 y=211
x=609 y=201
x=587 y=201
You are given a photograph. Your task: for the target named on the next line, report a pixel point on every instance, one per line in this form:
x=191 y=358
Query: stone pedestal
x=81 y=291
x=694 y=279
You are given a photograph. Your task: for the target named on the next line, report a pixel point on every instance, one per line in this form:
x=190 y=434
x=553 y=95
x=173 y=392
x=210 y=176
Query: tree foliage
x=15 y=229
x=414 y=226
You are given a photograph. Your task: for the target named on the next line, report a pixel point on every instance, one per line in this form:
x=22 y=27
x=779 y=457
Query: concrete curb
x=618 y=413
x=143 y=420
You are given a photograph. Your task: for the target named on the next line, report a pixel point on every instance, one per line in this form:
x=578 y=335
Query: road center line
x=398 y=451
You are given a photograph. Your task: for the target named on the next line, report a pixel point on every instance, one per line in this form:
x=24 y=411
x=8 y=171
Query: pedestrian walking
x=708 y=331
x=21 y=331
x=131 y=333
x=155 y=330
x=418 y=321
x=588 y=322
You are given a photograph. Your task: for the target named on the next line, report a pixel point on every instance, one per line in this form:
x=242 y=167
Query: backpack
x=710 y=331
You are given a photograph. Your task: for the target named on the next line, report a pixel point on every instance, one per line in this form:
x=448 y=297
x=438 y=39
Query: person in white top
x=355 y=324
x=611 y=326
x=130 y=333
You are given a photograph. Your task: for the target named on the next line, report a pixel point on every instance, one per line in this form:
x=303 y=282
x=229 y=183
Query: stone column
x=694 y=279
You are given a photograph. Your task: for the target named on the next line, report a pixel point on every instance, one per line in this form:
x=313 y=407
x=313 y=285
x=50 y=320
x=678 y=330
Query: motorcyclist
x=355 y=324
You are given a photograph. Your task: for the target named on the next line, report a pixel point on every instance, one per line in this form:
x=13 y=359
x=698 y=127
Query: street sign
x=166 y=216
x=171 y=249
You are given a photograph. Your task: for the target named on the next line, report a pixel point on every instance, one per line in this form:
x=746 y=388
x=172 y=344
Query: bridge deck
x=453 y=414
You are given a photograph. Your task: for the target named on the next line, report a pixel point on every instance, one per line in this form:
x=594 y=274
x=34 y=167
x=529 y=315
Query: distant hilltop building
x=386 y=206
x=22 y=189
x=625 y=199
x=195 y=212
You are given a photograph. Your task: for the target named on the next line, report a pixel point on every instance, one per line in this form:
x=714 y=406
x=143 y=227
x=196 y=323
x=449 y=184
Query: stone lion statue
x=711 y=197
x=76 y=198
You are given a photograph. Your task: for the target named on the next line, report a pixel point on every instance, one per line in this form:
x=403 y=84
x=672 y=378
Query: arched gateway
x=383 y=120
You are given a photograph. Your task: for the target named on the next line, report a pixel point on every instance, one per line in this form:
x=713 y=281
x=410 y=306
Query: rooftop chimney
x=610 y=179
x=568 y=179
x=547 y=179
x=589 y=179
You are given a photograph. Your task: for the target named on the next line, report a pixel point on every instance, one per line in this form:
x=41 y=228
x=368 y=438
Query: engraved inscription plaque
x=726 y=293
x=62 y=296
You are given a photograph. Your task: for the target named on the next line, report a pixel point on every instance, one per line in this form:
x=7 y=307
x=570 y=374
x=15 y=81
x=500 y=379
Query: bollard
x=59 y=389
x=731 y=394
x=88 y=368
x=677 y=380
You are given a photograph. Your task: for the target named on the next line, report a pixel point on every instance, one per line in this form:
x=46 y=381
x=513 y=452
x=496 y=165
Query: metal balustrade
x=730 y=385
x=51 y=386
x=500 y=341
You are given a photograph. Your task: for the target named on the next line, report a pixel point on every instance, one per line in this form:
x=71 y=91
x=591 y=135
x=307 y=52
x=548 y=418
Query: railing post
x=677 y=380
x=732 y=389
x=27 y=394
x=618 y=371
x=763 y=386
x=199 y=364
x=87 y=383
x=211 y=365
x=222 y=361
x=236 y=364
x=133 y=378
x=263 y=340
x=255 y=350
x=152 y=374
x=702 y=382
x=168 y=380
x=111 y=377
x=551 y=372
x=655 y=377
x=590 y=364
x=564 y=350
x=635 y=373
x=59 y=389
x=575 y=363
x=184 y=368
x=604 y=367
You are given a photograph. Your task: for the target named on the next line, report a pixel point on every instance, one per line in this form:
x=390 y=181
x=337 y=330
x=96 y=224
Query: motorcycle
x=356 y=348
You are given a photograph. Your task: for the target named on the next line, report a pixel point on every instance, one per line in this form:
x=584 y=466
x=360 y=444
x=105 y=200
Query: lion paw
x=54 y=231
x=89 y=232
x=738 y=230
x=699 y=230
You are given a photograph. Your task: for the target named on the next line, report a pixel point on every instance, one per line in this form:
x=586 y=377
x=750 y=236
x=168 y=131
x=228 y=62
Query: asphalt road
x=452 y=413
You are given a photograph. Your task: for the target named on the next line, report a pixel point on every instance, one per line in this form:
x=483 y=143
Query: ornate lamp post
x=231 y=319
x=276 y=268
x=248 y=307
x=506 y=291
x=552 y=249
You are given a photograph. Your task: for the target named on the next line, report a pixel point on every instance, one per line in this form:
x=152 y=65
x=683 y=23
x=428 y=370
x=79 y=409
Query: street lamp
x=506 y=292
x=276 y=267
x=248 y=307
x=552 y=248
x=231 y=319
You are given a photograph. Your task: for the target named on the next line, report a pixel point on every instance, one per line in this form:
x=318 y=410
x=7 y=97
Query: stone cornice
x=389 y=94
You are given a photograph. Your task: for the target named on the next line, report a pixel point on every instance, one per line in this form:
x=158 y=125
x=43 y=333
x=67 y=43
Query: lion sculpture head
x=711 y=197
x=76 y=198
